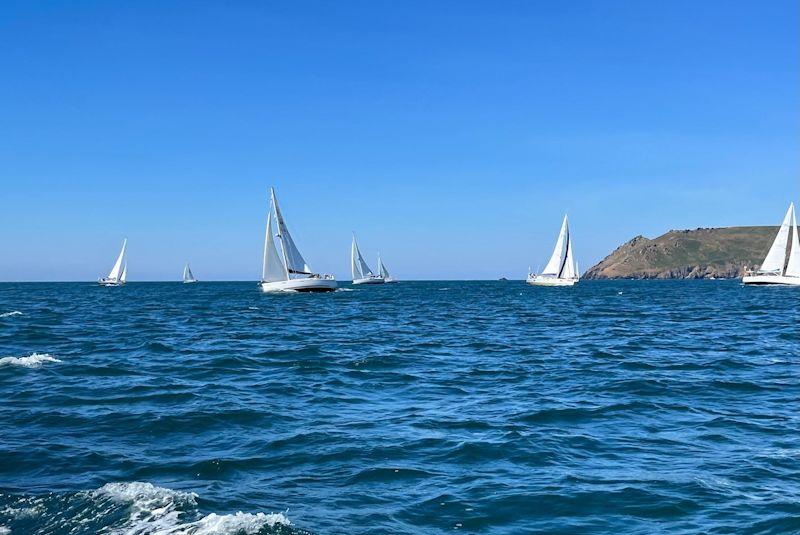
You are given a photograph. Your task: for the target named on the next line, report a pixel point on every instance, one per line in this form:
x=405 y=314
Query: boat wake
x=131 y=508
x=34 y=360
x=9 y=314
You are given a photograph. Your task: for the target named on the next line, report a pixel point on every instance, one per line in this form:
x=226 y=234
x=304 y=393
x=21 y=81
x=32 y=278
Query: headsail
x=124 y=276
x=382 y=271
x=568 y=269
x=187 y=274
x=114 y=274
x=776 y=257
x=272 y=269
x=295 y=263
x=358 y=266
x=556 y=264
x=793 y=266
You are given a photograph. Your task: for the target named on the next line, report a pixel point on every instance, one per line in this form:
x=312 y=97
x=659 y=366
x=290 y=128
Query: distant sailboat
x=119 y=273
x=362 y=274
x=188 y=277
x=383 y=272
x=287 y=271
x=775 y=269
x=561 y=270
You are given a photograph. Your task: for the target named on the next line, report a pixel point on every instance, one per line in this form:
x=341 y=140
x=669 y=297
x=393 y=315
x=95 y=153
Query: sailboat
x=362 y=274
x=287 y=271
x=775 y=269
x=561 y=270
x=119 y=273
x=188 y=277
x=383 y=272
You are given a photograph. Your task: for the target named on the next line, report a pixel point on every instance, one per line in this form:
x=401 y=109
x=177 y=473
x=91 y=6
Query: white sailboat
x=561 y=270
x=362 y=274
x=287 y=271
x=775 y=269
x=188 y=277
x=383 y=272
x=119 y=273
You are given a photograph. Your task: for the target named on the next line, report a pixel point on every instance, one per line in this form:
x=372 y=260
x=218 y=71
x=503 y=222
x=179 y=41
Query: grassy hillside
x=688 y=254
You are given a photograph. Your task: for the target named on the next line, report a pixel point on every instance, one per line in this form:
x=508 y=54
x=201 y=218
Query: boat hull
x=770 y=280
x=189 y=282
x=300 y=285
x=550 y=281
x=109 y=282
x=369 y=280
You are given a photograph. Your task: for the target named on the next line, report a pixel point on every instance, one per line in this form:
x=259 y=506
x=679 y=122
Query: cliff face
x=687 y=254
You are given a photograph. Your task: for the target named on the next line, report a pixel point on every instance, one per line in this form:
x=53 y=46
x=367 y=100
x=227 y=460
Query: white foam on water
x=34 y=360
x=4 y=530
x=7 y=315
x=158 y=511
x=344 y=290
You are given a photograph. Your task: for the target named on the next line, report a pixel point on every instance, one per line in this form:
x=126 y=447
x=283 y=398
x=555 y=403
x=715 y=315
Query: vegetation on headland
x=688 y=254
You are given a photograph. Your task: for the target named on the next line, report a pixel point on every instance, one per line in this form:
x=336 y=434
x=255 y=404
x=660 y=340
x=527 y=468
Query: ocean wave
x=160 y=511
x=129 y=508
x=7 y=315
x=34 y=360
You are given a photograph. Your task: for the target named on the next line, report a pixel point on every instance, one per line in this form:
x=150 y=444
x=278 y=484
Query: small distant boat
x=383 y=272
x=775 y=269
x=561 y=270
x=119 y=273
x=188 y=277
x=287 y=271
x=362 y=274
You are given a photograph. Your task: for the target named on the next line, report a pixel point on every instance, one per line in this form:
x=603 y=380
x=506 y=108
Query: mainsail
x=556 y=264
x=568 y=270
x=358 y=266
x=273 y=269
x=793 y=266
x=776 y=257
x=294 y=261
x=114 y=274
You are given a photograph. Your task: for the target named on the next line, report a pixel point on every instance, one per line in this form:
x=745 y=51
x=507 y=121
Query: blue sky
x=451 y=136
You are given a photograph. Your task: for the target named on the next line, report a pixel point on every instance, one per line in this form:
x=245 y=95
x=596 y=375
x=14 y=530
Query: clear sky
x=450 y=135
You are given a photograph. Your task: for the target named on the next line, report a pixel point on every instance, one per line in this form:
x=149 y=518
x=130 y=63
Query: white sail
x=358 y=266
x=776 y=257
x=115 y=271
x=793 y=266
x=294 y=261
x=273 y=268
x=124 y=276
x=568 y=269
x=556 y=263
x=187 y=274
x=382 y=269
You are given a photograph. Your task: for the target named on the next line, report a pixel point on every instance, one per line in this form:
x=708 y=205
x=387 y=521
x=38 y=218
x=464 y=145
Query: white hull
x=189 y=282
x=300 y=285
x=763 y=280
x=369 y=280
x=538 y=280
x=108 y=282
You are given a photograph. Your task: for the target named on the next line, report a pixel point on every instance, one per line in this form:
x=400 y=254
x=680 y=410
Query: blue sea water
x=422 y=407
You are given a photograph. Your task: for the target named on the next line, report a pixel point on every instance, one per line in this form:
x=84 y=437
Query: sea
x=624 y=407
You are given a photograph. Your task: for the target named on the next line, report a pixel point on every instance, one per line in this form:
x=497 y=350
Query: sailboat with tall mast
x=188 y=276
x=561 y=270
x=778 y=267
x=383 y=272
x=119 y=273
x=287 y=270
x=362 y=273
